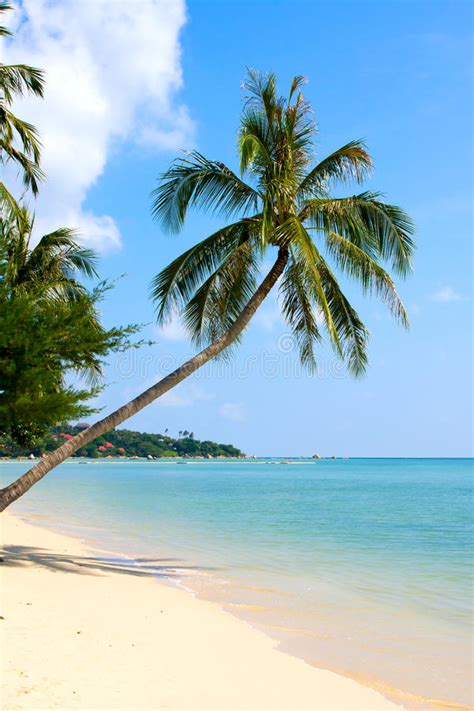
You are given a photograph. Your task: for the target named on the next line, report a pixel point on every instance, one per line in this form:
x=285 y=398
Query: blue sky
x=397 y=73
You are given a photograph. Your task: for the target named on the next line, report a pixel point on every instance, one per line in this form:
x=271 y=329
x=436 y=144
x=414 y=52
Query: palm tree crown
x=50 y=269
x=282 y=199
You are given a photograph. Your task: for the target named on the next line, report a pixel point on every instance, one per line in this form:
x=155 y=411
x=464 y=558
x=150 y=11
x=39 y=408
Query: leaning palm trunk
x=287 y=205
x=19 y=487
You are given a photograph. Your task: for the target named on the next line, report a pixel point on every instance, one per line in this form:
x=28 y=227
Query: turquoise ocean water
x=364 y=566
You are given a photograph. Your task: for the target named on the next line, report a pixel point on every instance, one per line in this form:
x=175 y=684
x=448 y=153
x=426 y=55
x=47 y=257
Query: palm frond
x=176 y=285
x=393 y=228
x=27 y=134
x=372 y=277
x=347 y=333
x=379 y=229
x=351 y=162
x=10 y=210
x=262 y=97
x=255 y=143
x=300 y=129
x=352 y=333
x=276 y=133
x=296 y=84
x=198 y=182
x=60 y=250
x=4 y=7
x=307 y=256
x=221 y=298
x=51 y=267
x=84 y=260
x=32 y=173
x=300 y=313
x=20 y=79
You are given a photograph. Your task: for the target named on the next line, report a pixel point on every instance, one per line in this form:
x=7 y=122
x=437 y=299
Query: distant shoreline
x=248 y=459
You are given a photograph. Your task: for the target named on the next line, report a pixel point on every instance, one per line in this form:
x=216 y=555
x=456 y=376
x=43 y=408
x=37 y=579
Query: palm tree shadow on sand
x=23 y=556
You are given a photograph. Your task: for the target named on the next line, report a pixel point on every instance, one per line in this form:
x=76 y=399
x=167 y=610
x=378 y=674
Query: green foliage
x=19 y=140
x=49 y=329
x=121 y=443
x=283 y=199
x=42 y=341
x=50 y=268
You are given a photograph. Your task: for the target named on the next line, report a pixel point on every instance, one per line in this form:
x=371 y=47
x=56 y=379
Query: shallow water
x=363 y=566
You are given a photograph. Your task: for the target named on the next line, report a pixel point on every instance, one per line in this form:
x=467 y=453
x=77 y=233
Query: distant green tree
x=133 y=444
x=187 y=446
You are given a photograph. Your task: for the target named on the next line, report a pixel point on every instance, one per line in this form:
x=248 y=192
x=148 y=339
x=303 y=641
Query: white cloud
x=184 y=395
x=446 y=295
x=234 y=411
x=112 y=71
x=173 y=331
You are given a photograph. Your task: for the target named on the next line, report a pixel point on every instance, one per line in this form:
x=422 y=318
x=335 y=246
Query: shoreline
x=152 y=645
x=257 y=595
x=399 y=698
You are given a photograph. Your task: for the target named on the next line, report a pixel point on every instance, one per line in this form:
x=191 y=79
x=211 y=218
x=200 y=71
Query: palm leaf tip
x=300 y=314
x=196 y=181
x=51 y=268
x=359 y=265
x=351 y=162
x=393 y=228
x=177 y=285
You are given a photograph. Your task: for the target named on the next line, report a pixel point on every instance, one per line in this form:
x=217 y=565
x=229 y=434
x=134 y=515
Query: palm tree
x=50 y=268
x=17 y=80
x=285 y=207
x=50 y=328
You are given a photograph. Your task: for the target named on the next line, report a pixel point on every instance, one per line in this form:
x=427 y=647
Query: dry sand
x=80 y=634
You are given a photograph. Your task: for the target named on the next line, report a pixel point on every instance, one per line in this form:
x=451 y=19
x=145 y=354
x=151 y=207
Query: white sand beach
x=77 y=633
